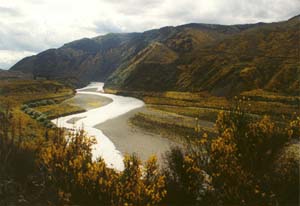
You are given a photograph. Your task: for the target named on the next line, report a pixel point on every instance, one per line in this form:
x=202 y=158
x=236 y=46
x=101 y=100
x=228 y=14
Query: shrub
x=69 y=171
x=24 y=107
x=16 y=156
x=186 y=181
x=49 y=124
x=285 y=177
x=28 y=111
x=32 y=104
x=234 y=168
x=35 y=114
x=51 y=101
x=42 y=103
x=41 y=118
x=294 y=129
x=241 y=157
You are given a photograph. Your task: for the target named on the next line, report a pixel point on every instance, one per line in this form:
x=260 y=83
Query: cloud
x=7 y=57
x=9 y=11
x=35 y=25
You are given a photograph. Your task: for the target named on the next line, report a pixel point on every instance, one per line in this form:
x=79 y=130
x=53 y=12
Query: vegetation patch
x=59 y=110
x=196 y=112
x=234 y=167
x=170 y=125
x=88 y=101
x=192 y=104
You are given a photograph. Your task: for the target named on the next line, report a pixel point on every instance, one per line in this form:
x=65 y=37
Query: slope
x=265 y=56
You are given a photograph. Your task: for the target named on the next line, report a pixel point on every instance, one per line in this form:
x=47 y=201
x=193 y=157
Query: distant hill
x=224 y=60
x=7 y=75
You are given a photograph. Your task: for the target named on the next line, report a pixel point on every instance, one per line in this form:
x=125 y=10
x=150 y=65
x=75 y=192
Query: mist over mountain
x=223 y=60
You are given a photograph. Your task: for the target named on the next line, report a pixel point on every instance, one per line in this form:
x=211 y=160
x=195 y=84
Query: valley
x=195 y=114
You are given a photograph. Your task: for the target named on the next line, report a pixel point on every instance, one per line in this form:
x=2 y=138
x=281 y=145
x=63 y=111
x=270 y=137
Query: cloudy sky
x=31 y=26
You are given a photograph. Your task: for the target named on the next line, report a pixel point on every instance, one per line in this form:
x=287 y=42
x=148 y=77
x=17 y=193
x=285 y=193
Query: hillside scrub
x=238 y=167
x=263 y=102
x=234 y=168
x=60 y=170
x=45 y=110
x=38 y=116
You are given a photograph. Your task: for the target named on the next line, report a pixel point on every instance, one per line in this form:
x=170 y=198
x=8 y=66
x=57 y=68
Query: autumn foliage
x=70 y=172
x=239 y=166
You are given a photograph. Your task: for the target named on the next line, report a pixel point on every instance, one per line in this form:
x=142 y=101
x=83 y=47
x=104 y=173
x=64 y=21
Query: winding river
x=104 y=147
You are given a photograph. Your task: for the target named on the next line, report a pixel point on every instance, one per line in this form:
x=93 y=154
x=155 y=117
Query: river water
x=104 y=147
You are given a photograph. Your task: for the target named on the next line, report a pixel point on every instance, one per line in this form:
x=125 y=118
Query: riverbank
x=104 y=147
x=130 y=139
x=88 y=101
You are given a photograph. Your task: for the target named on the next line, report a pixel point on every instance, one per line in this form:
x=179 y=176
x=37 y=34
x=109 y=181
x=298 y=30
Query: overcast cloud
x=31 y=26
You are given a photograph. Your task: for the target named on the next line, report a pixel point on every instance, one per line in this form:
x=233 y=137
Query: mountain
x=7 y=75
x=97 y=58
x=263 y=56
x=223 y=60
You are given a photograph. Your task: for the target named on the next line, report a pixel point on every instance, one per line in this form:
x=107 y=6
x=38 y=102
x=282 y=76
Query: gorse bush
x=237 y=166
x=24 y=107
x=186 y=181
x=40 y=103
x=246 y=163
x=72 y=175
x=16 y=156
x=62 y=167
x=40 y=117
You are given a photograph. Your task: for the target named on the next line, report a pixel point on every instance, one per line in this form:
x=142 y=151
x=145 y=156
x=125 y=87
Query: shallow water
x=104 y=147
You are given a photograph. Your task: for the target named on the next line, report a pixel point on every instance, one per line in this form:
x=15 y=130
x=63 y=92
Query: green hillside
x=261 y=57
x=222 y=60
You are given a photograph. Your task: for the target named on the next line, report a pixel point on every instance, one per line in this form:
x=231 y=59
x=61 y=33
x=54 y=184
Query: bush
x=234 y=168
x=49 y=124
x=186 y=181
x=51 y=101
x=33 y=104
x=241 y=157
x=285 y=179
x=69 y=171
x=24 y=107
x=28 y=111
x=35 y=114
x=42 y=118
x=41 y=103
x=16 y=156
x=294 y=129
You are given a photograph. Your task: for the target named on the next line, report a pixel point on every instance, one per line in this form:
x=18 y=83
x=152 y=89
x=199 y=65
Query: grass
x=158 y=126
x=15 y=93
x=206 y=107
x=87 y=101
x=201 y=113
x=59 y=110
x=202 y=103
x=169 y=124
x=262 y=95
x=19 y=92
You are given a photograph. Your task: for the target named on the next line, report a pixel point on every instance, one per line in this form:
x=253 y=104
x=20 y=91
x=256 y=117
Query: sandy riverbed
x=104 y=147
x=129 y=139
x=88 y=101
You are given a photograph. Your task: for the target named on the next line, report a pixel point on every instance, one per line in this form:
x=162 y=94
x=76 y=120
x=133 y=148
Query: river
x=104 y=147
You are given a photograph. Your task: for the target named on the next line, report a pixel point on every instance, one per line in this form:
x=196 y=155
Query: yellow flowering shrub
x=242 y=155
x=154 y=181
x=69 y=170
x=234 y=167
x=186 y=181
x=294 y=129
